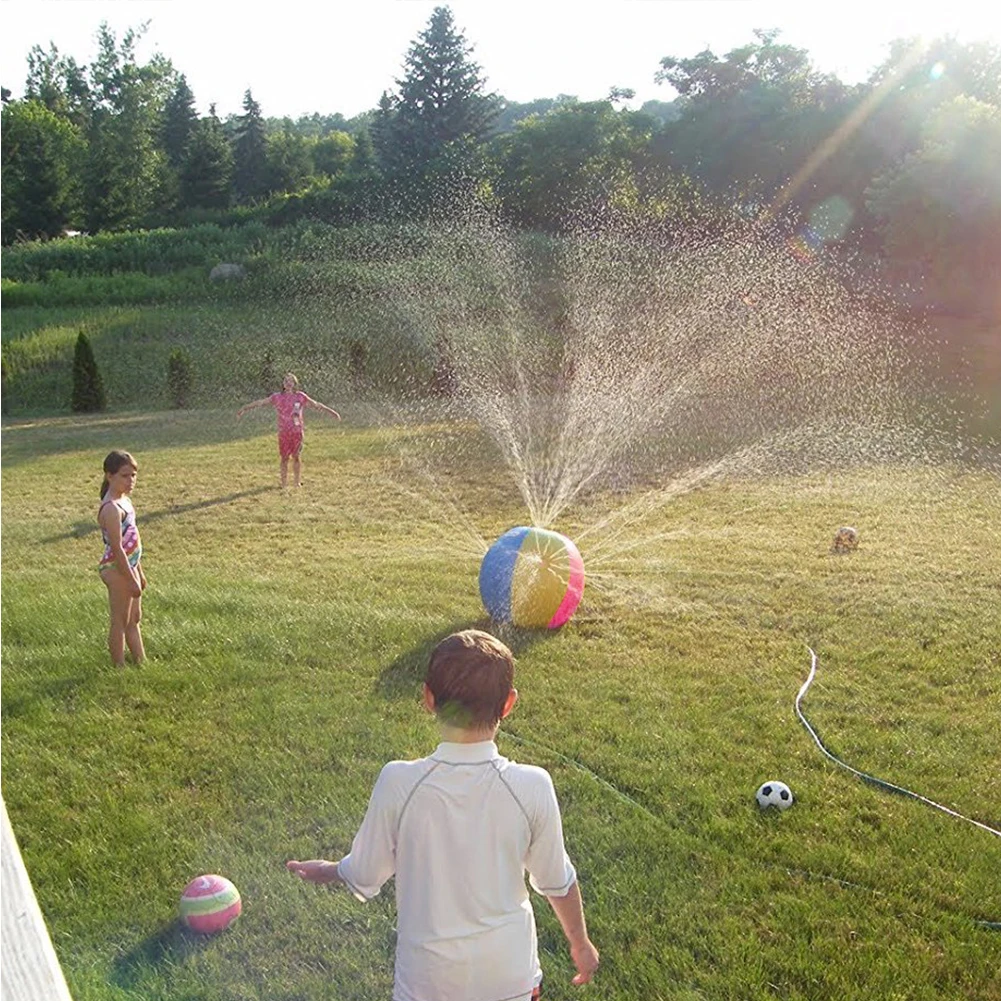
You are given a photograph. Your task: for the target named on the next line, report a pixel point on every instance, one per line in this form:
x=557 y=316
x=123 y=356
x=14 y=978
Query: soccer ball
x=774 y=794
x=845 y=540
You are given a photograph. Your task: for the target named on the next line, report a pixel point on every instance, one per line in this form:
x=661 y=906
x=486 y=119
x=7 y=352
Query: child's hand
x=142 y=580
x=136 y=591
x=585 y=958
x=315 y=870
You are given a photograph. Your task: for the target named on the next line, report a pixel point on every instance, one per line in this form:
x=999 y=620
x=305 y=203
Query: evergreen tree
x=207 y=170
x=250 y=152
x=179 y=122
x=45 y=79
x=441 y=105
x=179 y=378
x=88 y=389
x=363 y=157
x=382 y=133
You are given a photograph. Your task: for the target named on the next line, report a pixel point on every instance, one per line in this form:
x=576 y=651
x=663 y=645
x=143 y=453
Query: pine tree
x=179 y=121
x=250 y=152
x=88 y=389
x=207 y=169
x=441 y=96
x=441 y=101
x=179 y=378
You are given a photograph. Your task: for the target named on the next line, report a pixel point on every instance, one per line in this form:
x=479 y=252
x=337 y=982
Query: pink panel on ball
x=208 y=924
x=575 y=588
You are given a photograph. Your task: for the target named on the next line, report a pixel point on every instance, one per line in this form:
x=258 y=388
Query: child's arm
x=316 y=870
x=570 y=911
x=111 y=521
x=310 y=402
x=253 y=406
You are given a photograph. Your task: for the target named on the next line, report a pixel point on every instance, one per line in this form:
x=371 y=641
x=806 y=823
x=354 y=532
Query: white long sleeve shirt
x=459 y=830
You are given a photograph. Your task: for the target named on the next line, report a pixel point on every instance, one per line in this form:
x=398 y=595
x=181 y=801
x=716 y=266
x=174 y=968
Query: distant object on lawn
x=226 y=271
x=845 y=540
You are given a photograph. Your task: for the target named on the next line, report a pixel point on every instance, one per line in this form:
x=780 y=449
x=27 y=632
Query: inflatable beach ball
x=532 y=577
x=209 y=904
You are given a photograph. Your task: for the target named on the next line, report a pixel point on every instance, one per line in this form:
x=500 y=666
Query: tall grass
x=313 y=297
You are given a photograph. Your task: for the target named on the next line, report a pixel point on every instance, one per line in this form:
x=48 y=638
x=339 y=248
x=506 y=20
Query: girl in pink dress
x=290 y=405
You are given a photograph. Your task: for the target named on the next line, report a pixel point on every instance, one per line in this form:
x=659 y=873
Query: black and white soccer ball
x=776 y=794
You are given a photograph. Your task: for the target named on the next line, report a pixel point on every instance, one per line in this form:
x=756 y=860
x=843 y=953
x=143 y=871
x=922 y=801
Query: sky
x=303 y=57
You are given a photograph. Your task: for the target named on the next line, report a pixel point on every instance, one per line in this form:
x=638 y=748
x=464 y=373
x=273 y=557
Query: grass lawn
x=287 y=637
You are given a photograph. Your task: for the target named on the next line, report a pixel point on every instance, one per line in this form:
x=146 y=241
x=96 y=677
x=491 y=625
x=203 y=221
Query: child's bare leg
x=119 y=610
x=284 y=472
x=133 y=637
x=297 y=470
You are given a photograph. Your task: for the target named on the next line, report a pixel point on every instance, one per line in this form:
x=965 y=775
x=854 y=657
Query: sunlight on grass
x=287 y=636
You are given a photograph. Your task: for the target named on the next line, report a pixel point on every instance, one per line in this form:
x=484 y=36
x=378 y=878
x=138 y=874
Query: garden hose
x=882 y=783
x=863 y=775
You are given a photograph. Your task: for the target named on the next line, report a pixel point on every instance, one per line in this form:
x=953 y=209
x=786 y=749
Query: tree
x=250 y=154
x=333 y=153
x=179 y=378
x=289 y=161
x=441 y=110
x=88 y=388
x=749 y=121
x=42 y=155
x=206 y=174
x=939 y=208
x=60 y=84
x=45 y=79
x=578 y=157
x=179 y=122
x=127 y=177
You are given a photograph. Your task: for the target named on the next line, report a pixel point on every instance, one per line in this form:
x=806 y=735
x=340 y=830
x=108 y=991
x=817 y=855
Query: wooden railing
x=29 y=969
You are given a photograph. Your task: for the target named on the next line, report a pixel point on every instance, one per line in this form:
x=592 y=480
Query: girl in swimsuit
x=290 y=404
x=121 y=565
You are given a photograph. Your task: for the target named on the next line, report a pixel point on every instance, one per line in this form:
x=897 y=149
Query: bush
x=179 y=376
x=88 y=389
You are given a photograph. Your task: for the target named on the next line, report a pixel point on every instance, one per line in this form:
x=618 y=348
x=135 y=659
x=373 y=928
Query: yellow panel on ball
x=540 y=578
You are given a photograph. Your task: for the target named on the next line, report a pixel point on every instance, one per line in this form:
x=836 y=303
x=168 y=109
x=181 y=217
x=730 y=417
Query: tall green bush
x=88 y=388
x=179 y=378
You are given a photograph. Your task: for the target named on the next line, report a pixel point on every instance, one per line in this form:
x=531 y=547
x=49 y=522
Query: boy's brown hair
x=470 y=675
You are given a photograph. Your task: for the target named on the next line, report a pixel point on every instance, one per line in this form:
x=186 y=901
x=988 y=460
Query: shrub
x=269 y=381
x=179 y=377
x=88 y=389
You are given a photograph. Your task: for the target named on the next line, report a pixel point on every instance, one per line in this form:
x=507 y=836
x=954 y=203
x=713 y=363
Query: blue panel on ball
x=497 y=572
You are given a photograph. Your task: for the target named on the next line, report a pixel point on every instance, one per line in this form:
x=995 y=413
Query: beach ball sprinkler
x=209 y=904
x=532 y=578
x=773 y=793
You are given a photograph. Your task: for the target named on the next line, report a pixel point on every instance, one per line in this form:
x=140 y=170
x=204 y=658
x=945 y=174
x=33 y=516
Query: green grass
x=239 y=351
x=287 y=638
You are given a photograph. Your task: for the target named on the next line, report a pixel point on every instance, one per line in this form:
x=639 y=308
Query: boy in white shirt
x=458 y=830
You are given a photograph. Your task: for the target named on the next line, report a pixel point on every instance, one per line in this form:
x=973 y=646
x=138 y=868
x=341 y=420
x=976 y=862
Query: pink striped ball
x=209 y=904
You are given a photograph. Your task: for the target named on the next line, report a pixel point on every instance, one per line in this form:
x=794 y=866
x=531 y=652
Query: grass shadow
x=26 y=439
x=173 y=943
x=81 y=529
x=406 y=673
x=55 y=690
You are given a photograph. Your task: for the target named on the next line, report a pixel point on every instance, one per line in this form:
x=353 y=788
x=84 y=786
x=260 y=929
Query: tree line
x=904 y=164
